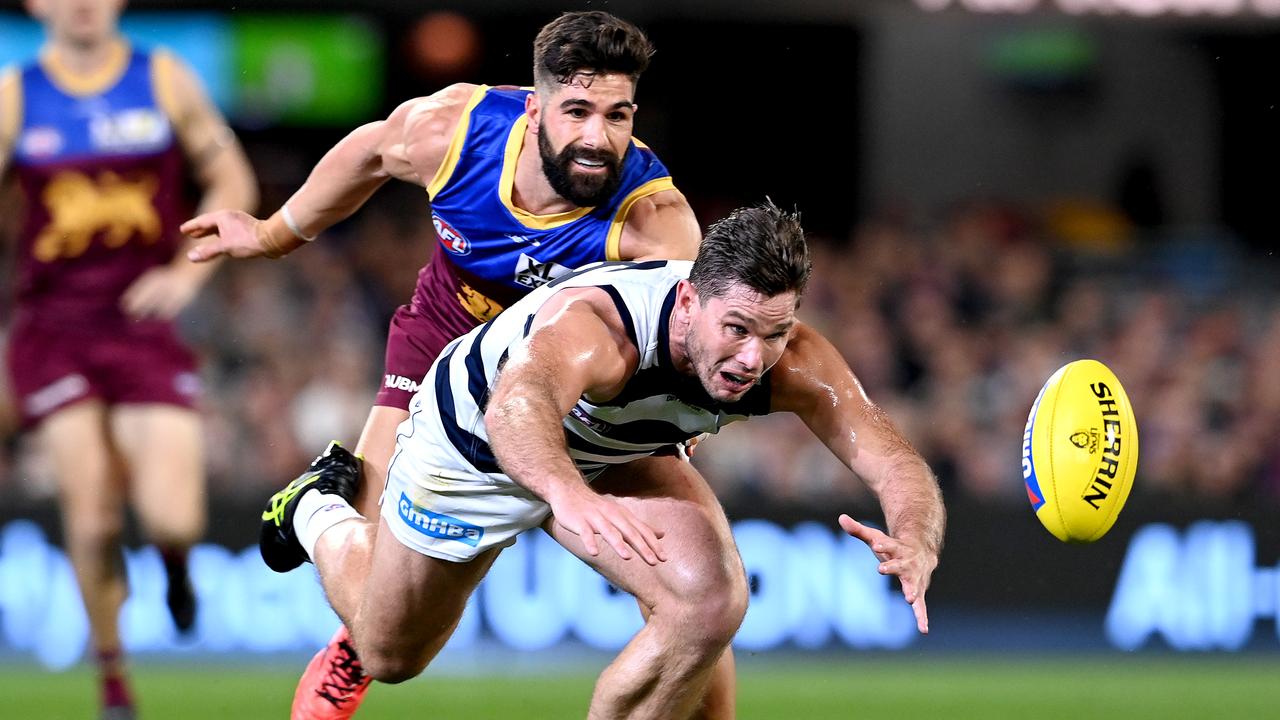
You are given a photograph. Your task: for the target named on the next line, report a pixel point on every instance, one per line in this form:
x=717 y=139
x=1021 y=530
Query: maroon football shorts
x=125 y=362
x=414 y=341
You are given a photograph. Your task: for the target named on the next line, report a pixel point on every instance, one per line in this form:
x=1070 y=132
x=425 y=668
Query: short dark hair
x=591 y=41
x=761 y=247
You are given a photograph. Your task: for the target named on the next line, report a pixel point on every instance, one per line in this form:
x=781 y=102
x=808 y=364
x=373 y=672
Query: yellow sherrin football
x=1080 y=451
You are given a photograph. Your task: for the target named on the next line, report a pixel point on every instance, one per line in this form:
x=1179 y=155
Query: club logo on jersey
x=135 y=130
x=41 y=142
x=531 y=273
x=81 y=207
x=437 y=525
x=449 y=237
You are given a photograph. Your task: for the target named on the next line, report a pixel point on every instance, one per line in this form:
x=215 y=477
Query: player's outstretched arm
x=575 y=348
x=410 y=145
x=813 y=381
x=220 y=168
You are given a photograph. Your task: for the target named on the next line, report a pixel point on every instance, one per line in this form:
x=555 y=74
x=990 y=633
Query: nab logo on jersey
x=137 y=130
x=450 y=238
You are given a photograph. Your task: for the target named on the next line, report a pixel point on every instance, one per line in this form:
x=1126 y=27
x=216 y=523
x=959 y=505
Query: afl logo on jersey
x=41 y=141
x=450 y=239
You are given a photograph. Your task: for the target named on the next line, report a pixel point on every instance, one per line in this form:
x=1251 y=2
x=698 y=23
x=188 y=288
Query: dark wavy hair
x=761 y=247
x=594 y=42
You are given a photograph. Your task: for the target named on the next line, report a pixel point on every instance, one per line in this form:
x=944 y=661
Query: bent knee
x=391 y=668
x=708 y=613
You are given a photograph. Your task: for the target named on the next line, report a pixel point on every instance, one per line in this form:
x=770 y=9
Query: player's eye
x=577 y=113
x=738 y=330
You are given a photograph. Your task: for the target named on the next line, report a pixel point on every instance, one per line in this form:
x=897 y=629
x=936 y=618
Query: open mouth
x=737 y=382
x=589 y=165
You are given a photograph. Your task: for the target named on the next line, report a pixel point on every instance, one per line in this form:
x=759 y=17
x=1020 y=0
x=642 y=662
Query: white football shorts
x=450 y=513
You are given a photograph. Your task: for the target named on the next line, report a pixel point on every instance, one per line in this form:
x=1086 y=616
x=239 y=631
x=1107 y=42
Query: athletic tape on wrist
x=293 y=224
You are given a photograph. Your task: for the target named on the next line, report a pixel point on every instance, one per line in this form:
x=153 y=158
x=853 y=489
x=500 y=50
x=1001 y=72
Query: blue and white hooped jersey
x=658 y=407
x=500 y=250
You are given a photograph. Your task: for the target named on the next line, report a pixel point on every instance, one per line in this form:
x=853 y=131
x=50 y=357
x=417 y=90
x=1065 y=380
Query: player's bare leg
x=334 y=683
x=695 y=600
x=163 y=450
x=418 y=601
x=344 y=550
x=720 y=701
x=92 y=499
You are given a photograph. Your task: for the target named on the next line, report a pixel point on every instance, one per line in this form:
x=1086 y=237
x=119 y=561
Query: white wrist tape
x=293 y=224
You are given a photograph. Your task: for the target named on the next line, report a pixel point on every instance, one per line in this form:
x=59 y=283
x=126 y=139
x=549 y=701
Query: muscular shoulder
x=428 y=125
x=588 y=306
x=811 y=369
x=581 y=327
x=661 y=226
x=178 y=89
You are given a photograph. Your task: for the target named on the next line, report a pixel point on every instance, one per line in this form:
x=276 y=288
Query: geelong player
x=540 y=417
x=101 y=137
x=524 y=184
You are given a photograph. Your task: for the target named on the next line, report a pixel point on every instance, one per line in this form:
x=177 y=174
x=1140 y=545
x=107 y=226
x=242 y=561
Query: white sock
x=317 y=512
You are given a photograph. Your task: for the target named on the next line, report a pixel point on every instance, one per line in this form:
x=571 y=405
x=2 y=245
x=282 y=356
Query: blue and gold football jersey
x=496 y=251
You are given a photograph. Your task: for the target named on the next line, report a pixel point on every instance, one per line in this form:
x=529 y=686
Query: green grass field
x=955 y=688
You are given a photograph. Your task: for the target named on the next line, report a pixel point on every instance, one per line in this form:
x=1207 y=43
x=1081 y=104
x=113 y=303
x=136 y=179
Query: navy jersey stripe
x=623 y=312
x=473 y=449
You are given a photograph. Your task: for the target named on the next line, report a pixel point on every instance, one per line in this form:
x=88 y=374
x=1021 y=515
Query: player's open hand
x=587 y=514
x=160 y=293
x=912 y=563
x=229 y=232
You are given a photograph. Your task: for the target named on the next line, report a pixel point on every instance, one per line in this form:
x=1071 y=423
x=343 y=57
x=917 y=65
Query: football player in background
x=101 y=137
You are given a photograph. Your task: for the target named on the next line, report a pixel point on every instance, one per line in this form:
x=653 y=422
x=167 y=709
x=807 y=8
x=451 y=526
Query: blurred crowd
x=952 y=325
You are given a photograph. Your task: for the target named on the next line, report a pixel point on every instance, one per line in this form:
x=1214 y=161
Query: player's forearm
x=911 y=501
x=229 y=184
x=527 y=437
x=343 y=181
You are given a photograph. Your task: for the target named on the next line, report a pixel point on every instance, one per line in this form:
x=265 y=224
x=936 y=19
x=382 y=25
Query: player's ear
x=686 y=297
x=533 y=109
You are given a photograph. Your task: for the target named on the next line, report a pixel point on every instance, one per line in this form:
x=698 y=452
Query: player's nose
x=593 y=132
x=751 y=354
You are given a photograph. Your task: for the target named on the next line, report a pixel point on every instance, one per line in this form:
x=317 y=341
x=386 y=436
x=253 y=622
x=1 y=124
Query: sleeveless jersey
x=490 y=252
x=102 y=178
x=658 y=407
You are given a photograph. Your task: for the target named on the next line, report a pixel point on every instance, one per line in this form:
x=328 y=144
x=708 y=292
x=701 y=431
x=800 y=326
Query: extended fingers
x=205 y=251
x=634 y=533
x=588 y=536
x=199 y=226
x=865 y=533
x=922 y=615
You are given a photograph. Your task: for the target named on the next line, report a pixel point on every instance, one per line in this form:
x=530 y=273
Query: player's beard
x=578 y=188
